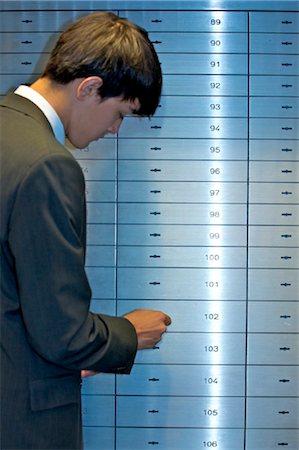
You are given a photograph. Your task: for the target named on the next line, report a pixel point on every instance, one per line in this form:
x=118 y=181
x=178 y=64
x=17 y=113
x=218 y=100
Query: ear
x=88 y=87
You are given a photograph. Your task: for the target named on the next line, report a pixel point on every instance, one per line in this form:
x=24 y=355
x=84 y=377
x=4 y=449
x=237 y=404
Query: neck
x=56 y=94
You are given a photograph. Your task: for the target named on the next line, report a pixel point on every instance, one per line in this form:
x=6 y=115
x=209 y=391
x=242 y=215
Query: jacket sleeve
x=47 y=238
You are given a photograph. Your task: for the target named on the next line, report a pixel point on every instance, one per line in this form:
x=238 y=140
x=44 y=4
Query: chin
x=72 y=145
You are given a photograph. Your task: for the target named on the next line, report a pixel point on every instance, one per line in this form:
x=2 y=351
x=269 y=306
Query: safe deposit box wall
x=194 y=212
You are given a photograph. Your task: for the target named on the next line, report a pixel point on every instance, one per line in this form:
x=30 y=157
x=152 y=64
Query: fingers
x=149 y=325
x=88 y=373
x=167 y=320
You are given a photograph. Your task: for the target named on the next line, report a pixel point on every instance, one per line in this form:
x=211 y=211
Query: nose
x=113 y=129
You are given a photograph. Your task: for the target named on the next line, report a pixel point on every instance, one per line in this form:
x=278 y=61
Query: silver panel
x=178 y=257
x=181 y=191
x=275 y=107
x=275 y=64
x=95 y=170
x=274 y=128
x=272 y=412
x=272 y=381
x=163 y=5
x=274 y=171
x=28 y=42
x=9 y=83
x=92 y=404
x=192 y=284
x=275 y=22
x=182 y=149
x=101 y=213
x=272 y=438
x=215 y=85
x=273 y=317
x=101 y=385
x=283 y=193
x=177 y=438
x=98 y=438
x=274 y=43
x=199 y=42
x=276 y=258
x=277 y=214
x=196 y=316
x=173 y=127
x=274 y=349
x=102 y=280
x=274 y=236
x=25 y=64
x=101 y=234
x=180 y=380
x=184 y=63
x=194 y=235
x=100 y=191
x=203 y=107
x=185 y=412
x=266 y=86
x=278 y=284
x=179 y=214
x=100 y=256
x=104 y=306
x=197 y=348
x=180 y=171
x=188 y=20
x=270 y=149
x=37 y=20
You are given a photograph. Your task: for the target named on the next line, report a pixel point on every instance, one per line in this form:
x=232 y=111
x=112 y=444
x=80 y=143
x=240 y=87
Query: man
x=101 y=69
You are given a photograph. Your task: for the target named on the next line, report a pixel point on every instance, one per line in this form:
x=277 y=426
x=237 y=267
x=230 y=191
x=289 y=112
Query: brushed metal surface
x=233 y=171
x=211 y=257
x=184 y=149
x=272 y=381
x=200 y=21
x=178 y=438
x=270 y=284
x=273 y=317
x=184 y=235
x=174 y=127
x=92 y=404
x=274 y=22
x=183 y=191
x=201 y=63
x=182 y=283
x=276 y=258
x=273 y=348
x=272 y=438
x=195 y=214
x=274 y=43
x=181 y=380
x=188 y=412
x=200 y=42
x=272 y=412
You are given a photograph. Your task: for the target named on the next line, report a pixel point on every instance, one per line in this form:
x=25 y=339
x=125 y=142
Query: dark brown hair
x=115 y=49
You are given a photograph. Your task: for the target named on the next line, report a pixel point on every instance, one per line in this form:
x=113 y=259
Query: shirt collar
x=46 y=108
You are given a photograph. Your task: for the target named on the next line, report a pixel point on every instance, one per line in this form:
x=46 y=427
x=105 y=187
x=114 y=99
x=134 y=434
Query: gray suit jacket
x=47 y=332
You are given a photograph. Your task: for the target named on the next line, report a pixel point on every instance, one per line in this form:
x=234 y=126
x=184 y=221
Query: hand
x=149 y=326
x=88 y=373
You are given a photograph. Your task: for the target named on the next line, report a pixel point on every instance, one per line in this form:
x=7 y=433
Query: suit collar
x=25 y=106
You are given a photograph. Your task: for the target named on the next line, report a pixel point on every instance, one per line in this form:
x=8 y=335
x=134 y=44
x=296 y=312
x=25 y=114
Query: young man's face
x=96 y=118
